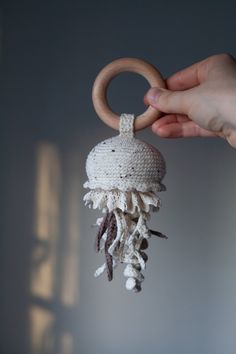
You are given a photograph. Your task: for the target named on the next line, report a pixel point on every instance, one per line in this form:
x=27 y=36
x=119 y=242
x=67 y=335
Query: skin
x=199 y=101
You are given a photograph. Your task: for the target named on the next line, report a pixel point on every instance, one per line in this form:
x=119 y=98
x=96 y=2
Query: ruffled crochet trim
x=127 y=187
x=129 y=201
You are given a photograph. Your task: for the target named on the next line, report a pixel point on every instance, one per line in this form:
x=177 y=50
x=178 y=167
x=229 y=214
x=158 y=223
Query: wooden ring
x=99 y=93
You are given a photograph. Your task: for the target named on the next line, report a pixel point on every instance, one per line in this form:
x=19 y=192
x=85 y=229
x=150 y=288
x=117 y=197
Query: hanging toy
x=124 y=176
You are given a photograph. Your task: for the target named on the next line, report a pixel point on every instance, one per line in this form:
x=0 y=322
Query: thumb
x=168 y=101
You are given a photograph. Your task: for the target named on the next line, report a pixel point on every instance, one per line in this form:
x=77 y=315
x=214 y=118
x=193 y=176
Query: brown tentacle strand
x=101 y=231
x=159 y=234
x=111 y=235
x=109 y=263
x=144 y=244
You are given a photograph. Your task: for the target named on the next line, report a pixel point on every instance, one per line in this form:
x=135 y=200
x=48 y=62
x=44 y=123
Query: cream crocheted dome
x=125 y=163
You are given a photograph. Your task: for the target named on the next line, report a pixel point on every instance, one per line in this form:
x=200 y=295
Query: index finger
x=188 y=77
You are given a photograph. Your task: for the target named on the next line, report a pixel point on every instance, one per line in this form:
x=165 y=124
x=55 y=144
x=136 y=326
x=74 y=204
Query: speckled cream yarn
x=125 y=163
x=124 y=176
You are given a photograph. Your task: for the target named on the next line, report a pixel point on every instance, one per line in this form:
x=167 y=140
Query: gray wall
x=50 y=302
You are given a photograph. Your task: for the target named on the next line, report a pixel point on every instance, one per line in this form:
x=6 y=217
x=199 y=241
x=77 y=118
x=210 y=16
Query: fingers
x=170 y=118
x=179 y=126
x=168 y=101
x=198 y=72
x=188 y=77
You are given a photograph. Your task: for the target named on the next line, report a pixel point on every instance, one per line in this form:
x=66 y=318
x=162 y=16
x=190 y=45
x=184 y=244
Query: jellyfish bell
x=126 y=173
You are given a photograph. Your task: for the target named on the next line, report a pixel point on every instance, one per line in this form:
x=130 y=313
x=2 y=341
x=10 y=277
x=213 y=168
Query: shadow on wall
x=54 y=278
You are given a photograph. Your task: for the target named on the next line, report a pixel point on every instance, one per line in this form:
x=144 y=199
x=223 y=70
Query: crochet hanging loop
x=126 y=125
x=124 y=178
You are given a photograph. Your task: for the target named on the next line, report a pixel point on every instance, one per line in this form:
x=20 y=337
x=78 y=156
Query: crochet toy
x=124 y=176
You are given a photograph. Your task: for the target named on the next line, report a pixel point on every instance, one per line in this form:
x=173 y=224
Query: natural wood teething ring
x=149 y=72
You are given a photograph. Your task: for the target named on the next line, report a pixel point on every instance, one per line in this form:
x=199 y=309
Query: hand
x=200 y=101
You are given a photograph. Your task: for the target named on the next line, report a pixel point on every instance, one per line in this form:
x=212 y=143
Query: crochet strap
x=127 y=125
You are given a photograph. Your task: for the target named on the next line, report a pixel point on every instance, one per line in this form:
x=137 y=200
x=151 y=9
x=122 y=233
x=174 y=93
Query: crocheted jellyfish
x=124 y=177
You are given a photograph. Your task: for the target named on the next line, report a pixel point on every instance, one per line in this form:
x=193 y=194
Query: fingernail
x=153 y=95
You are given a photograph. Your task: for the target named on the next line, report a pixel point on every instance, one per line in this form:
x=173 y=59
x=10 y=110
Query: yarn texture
x=124 y=176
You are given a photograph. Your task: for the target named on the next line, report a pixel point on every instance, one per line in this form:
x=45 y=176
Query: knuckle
x=165 y=99
x=222 y=58
x=174 y=102
x=225 y=57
